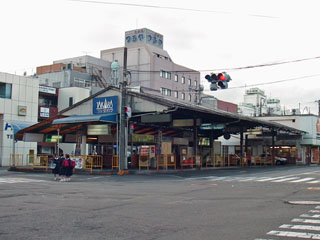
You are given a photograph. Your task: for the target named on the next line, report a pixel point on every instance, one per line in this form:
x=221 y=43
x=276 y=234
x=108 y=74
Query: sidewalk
x=116 y=172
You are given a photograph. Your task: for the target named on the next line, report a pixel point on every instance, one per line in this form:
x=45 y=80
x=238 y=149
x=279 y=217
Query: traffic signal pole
x=123 y=165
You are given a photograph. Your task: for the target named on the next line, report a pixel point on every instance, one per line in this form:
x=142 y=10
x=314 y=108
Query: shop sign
x=44 y=112
x=78 y=161
x=144 y=36
x=139 y=138
x=209 y=126
x=156 y=118
x=47 y=90
x=22 y=110
x=185 y=122
x=8 y=130
x=101 y=129
x=105 y=105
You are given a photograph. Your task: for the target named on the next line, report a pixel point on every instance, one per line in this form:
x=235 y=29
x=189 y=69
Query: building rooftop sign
x=105 y=105
x=145 y=36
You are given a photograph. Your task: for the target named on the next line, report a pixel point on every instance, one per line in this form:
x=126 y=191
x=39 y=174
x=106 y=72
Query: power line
x=166 y=7
x=273 y=82
x=232 y=69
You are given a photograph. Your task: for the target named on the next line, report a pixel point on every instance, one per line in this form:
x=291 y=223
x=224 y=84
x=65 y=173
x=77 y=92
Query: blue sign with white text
x=105 y=105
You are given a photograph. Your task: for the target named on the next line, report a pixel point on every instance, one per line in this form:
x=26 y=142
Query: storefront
x=160 y=133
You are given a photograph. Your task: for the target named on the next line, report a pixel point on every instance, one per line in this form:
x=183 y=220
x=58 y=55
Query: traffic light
x=219 y=80
x=131 y=128
x=128 y=111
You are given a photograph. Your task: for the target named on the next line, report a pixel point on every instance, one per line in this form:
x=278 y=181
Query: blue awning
x=17 y=125
x=111 y=117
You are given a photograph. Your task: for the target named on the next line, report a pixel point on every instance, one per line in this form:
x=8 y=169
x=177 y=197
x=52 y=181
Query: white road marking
x=294 y=234
x=301 y=227
x=315 y=181
x=18 y=180
x=304 y=202
x=302 y=180
x=249 y=179
x=233 y=179
x=272 y=178
x=301 y=220
x=217 y=179
x=285 y=179
x=314 y=211
x=310 y=216
x=317 y=207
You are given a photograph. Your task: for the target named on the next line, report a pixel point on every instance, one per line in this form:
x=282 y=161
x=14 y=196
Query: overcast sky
x=221 y=35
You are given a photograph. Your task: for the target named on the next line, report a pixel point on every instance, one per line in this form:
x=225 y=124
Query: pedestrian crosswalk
x=306 y=226
x=276 y=179
x=10 y=180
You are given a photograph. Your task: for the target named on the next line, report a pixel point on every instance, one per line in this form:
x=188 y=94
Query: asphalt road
x=247 y=203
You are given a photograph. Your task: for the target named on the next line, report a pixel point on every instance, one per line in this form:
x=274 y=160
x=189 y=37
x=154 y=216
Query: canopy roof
x=143 y=104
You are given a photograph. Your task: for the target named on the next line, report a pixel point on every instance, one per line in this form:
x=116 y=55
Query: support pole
x=241 y=147
x=123 y=165
x=273 y=142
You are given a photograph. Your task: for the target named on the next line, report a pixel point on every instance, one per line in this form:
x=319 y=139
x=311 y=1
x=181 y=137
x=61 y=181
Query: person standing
x=67 y=166
x=57 y=169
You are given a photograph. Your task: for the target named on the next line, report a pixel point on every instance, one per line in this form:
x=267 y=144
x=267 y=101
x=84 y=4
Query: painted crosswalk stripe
x=272 y=178
x=310 y=216
x=315 y=181
x=249 y=179
x=233 y=179
x=302 y=180
x=302 y=220
x=294 y=234
x=317 y=207
x=301 y=227
x=217 y=179
x=18 y=180
x=285 y=179
x=314 y=211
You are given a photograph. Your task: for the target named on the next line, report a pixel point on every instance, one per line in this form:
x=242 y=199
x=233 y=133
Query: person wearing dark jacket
x=57 y=169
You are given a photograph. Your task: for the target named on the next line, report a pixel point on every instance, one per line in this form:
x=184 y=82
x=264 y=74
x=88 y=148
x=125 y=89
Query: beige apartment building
x=151 y=68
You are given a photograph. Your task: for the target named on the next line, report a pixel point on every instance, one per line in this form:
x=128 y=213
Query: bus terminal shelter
x=160 y=133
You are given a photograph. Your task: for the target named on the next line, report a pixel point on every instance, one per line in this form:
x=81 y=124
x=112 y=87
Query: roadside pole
x=123 y=165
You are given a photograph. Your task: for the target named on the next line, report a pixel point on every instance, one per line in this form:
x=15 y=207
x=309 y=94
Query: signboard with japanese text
x=144 y=35
x=44 y=112
x=105 y=105
x=45 y=89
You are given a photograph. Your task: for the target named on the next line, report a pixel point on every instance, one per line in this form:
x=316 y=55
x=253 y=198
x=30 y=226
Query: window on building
x=176 y=78
x=183 y=79
x=176 y=94
x=56 y=84
x=195 y=82
x=189 y=98
x=70 y=101
x=162 y=73
x=77 y=82
x=5 y=90
x=165 y=91
x=168 y=75
x=183 y=96
x=189 y=82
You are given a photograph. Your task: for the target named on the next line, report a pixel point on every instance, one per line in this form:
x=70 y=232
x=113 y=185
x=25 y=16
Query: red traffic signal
x=128 y=111
x=219 y=80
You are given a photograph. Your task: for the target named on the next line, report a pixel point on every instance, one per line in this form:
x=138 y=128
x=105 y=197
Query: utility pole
x=318 y=101
x=123 y=165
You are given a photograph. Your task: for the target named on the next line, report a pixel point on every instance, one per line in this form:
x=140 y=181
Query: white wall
x=25 y=92
x=77 y=93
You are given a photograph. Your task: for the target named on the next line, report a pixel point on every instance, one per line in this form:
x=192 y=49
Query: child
x=57 y=168
x=67 y=166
